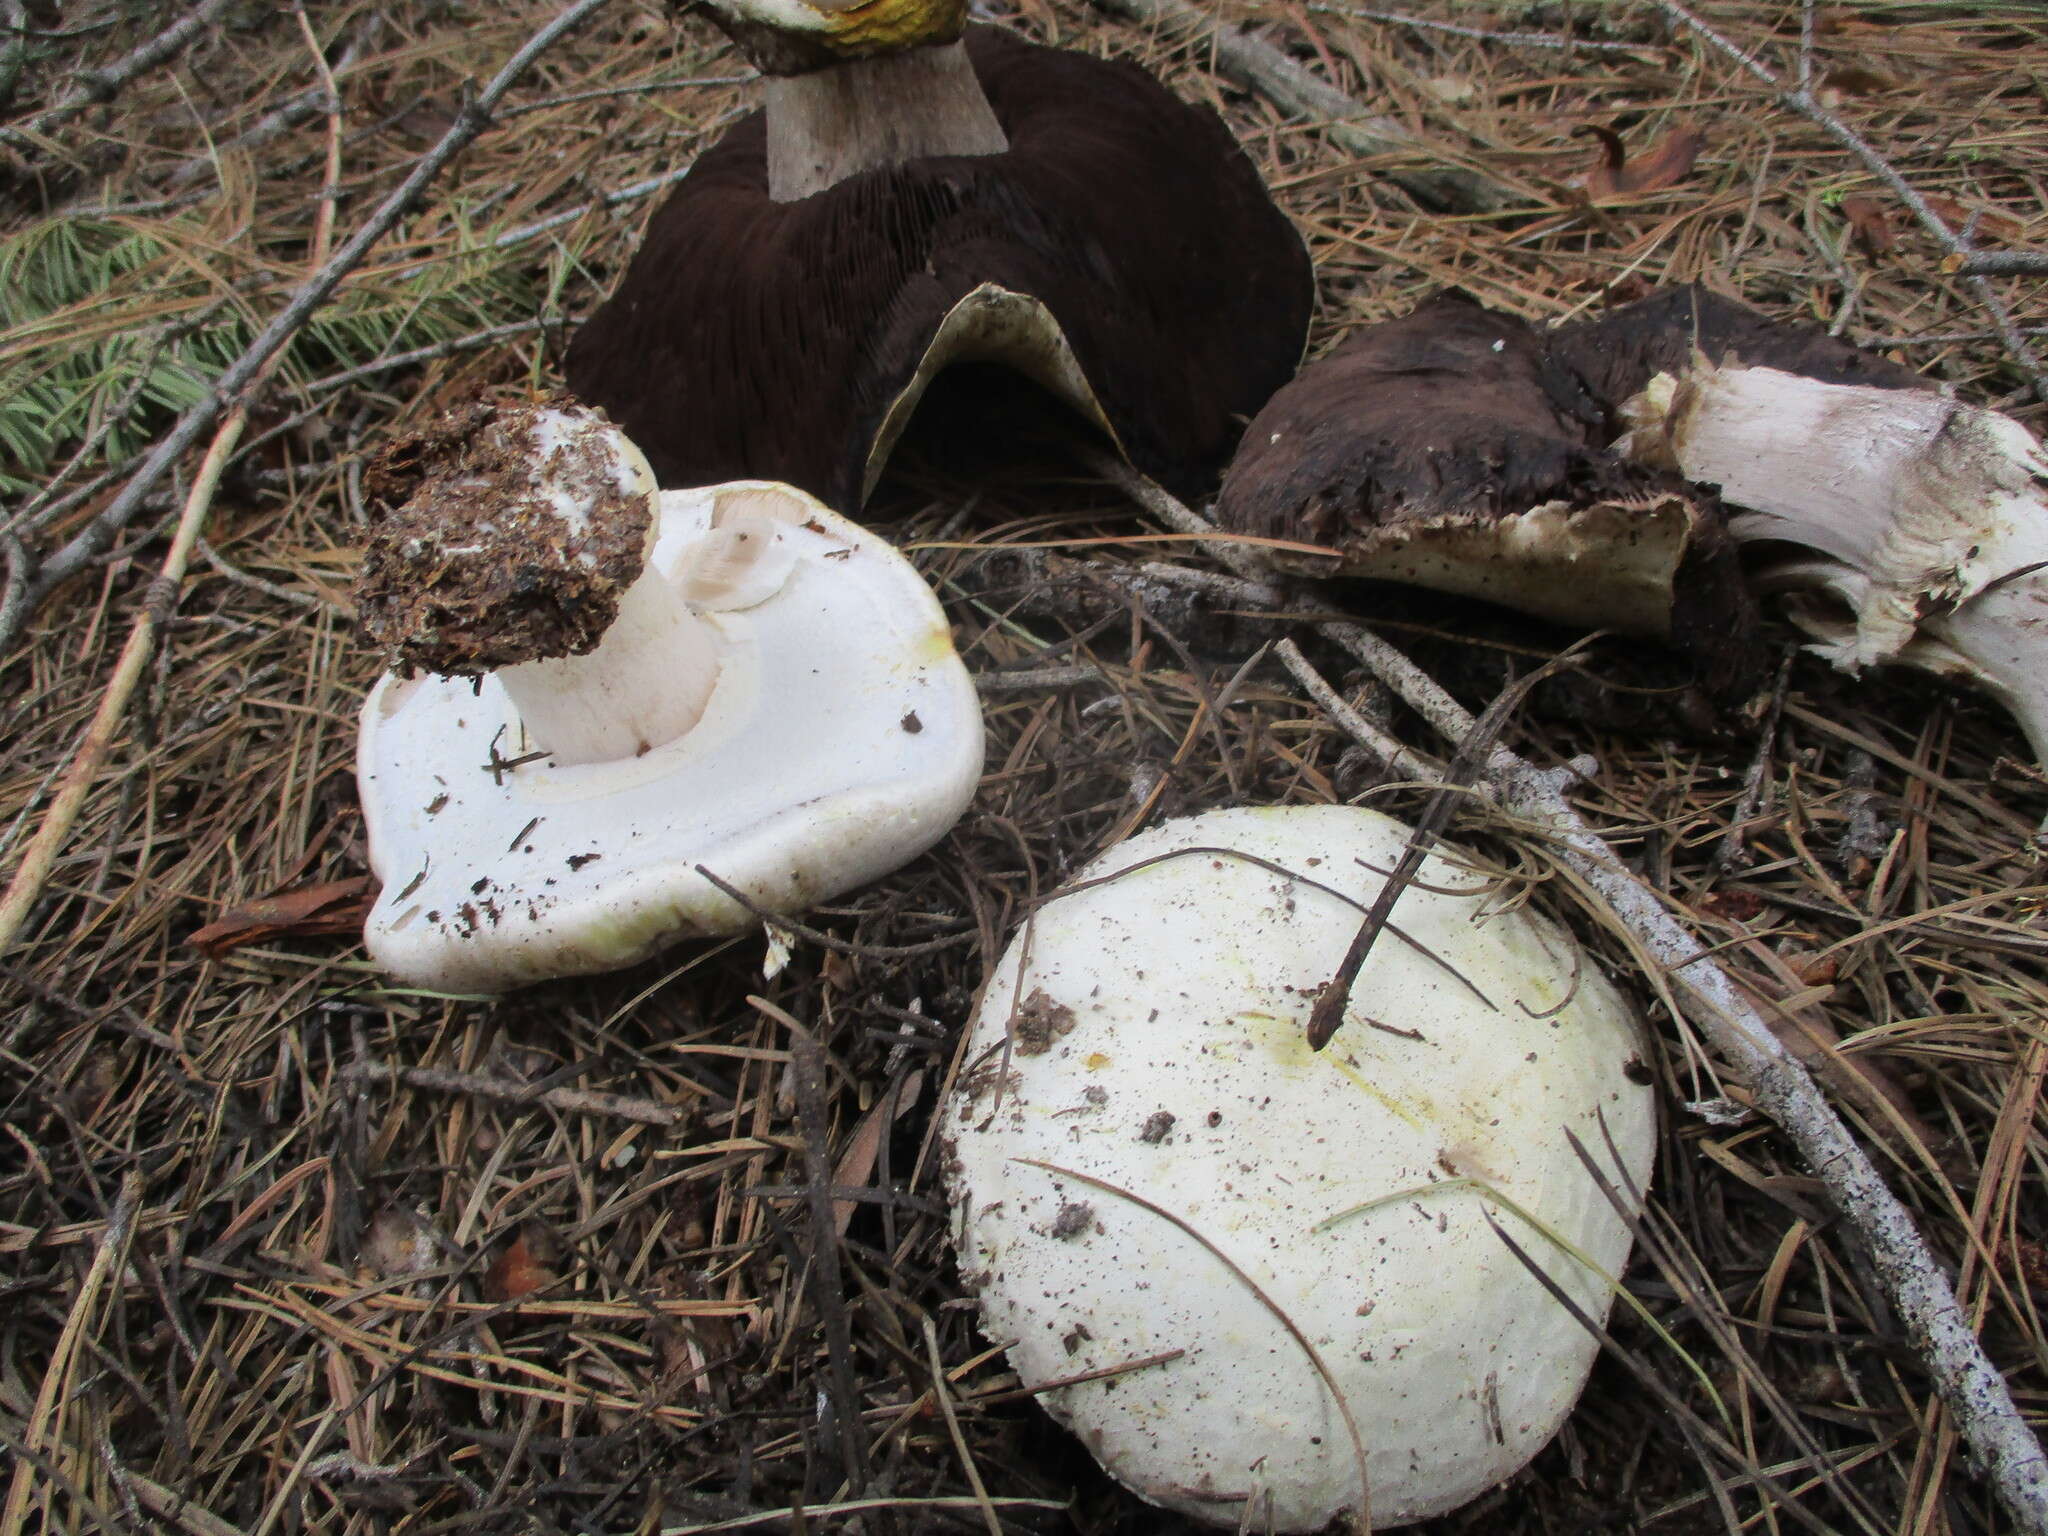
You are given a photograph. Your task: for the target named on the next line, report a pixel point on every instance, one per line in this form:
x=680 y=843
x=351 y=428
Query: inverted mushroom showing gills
x=622 y=685
x=912 y=198
x=1448 y=449
x=1924 y=519
x=1303 y=1251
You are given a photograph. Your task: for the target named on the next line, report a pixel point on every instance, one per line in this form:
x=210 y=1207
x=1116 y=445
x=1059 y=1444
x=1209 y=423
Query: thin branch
x=1298 y=90
x=1396 y=758
x=1511 y=39
x=574 y=1101
x=622 y=196
x=647 y=88
x=21 y=599
x=287 y=115
x=1334 y=1001
x=2007 y=264
x=99 y=86
x=2004 y=1450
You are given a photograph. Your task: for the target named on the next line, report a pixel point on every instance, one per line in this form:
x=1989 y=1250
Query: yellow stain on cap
x=887 y=26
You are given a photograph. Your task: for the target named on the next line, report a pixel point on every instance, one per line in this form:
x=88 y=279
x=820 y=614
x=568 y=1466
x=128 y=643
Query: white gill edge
x=992 y=324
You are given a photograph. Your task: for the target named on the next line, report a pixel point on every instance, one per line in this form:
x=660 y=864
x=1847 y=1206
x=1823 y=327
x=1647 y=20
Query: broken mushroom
x=1273 y=1281
x=1923 y=518
x=1448 y=449
x=912 y=198
x=624 y=688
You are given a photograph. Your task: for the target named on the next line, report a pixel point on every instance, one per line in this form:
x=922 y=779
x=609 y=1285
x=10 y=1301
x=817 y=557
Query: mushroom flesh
x=1297 y=1256
x=624 y=688
x=914 y=198
x=1908 y=525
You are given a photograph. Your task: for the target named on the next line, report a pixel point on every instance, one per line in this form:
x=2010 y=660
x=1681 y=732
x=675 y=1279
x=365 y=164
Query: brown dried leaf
x=1859 y=80
x=857 y=1162
x=1991 y=225
x=1730 y=906
x=1868 y=225
x=523 y=1268
x=332 y=906
x=1665 y=166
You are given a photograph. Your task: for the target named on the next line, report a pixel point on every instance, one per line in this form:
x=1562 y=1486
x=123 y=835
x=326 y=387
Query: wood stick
x=575 y=1101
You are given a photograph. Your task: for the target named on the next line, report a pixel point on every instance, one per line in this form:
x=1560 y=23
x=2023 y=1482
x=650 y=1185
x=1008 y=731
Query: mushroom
x=625 y=689
x=1245 y=1272
x=912 y=198
x=1449 y=449
x=1923 y=518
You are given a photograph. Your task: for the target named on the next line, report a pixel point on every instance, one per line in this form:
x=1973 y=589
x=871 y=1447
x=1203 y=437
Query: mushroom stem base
x=836 y=122
x=644 y=685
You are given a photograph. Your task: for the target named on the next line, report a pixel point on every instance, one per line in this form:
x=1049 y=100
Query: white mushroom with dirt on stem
x=1268 y=1286
x=609 y=702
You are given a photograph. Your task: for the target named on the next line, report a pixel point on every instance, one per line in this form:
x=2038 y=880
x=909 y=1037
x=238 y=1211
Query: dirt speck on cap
x=1039 y=1022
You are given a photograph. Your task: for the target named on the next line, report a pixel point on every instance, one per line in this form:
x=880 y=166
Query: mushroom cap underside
x=842 y=738
x=1144 y=1157
x=1449 y=449
x=774 y=340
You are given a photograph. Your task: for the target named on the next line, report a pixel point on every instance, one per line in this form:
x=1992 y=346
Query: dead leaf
x=1730 y=906
x=857 y=1162
x=333 y=906
x=1858 y=80
x=1665 y=166
x=524 y=1267
x=1868 y=225
x=1991 y=226
x=1813 y=970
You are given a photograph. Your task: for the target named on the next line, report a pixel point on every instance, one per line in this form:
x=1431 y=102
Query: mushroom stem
x=828 y=124
x=1930 y=516
x=645 y=684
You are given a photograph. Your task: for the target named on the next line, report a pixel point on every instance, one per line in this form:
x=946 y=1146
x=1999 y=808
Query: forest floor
x=263 y=1273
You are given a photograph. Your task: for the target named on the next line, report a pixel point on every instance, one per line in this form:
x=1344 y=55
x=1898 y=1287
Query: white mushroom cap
x=841 y=739
x=1155 y=1083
